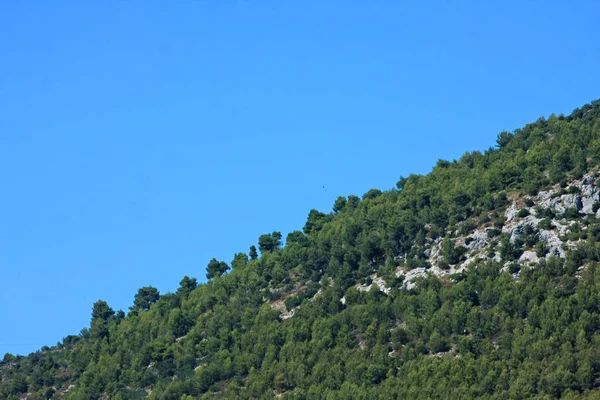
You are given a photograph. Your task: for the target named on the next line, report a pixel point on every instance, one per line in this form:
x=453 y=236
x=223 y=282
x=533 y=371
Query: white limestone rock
x=553 y=242
x=511 y=212
x=529 y=256
x=411 y=276
x=479 y=241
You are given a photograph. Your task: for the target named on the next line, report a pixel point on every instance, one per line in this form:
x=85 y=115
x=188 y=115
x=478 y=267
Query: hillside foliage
x=291 y=322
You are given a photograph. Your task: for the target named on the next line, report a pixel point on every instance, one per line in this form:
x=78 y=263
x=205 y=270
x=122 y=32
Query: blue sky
x=140 y=139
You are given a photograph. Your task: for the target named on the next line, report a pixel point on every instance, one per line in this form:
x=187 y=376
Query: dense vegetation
x=481 y=334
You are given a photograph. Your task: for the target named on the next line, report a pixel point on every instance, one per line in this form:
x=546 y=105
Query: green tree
x=315 y=221
x=451 y=254
x=269 y=242
x=253 y=253
x=101 y=313
x=216 y=268
x=504 y=139
x=145 y=297
x=239 y=260
x=339 y=204
x=401 y=182
x=186 y=285
x=372 y=193
x=296 y=237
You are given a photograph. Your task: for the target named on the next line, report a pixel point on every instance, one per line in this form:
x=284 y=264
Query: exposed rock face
x=279 y=305
x=553 y=242
x=411 y=276
x=470 y=260
x=480 y=240
x=529 y=256
x=589 y=193
x=582 y=199
x=378 y=281
x=453 y=269
x=381 y=285
x=589 y=196
x=434 y=254
x=561 y=203
x=511 y=212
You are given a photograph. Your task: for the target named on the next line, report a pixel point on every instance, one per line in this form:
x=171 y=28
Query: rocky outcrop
x=511 y=212
x=516 y=228
x=529 y=256
x=411 y=276
x=553 y=243
x=478 y=241
x=586 y=194
x=583 y=198
x=376 y=280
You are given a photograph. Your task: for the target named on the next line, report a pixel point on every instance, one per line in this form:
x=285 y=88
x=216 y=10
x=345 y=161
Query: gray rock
x=583 y=201
x=589 y=196
x=529 y=256
x=516 y=229
x=571 y=201
x=511 y=212
x=553 y=242
x=412 y=275
x=479 y=241
x=545 y=195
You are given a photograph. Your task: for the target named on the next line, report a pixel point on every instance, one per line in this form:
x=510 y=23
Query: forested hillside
x=478 y=280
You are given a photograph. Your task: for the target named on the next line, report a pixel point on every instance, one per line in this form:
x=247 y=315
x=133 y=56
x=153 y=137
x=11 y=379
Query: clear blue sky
x=138 y=140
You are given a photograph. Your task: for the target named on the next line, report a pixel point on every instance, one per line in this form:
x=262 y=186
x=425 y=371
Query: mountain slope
x=479 y=279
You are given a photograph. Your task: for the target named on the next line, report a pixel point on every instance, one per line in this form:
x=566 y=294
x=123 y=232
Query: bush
x=274 y=295
x=544 y=212
x=514 y=267
x=437 y=343
x=540 y=249
x=529 y=202
x=546 y=224
x=311 y=291
x=523 y=213
x=492 y=233
x=468 y=227
x=292 y=302
x=399 y=336
x=451 y=254
x=571 y=213
x=417 y=263
x=484 y=218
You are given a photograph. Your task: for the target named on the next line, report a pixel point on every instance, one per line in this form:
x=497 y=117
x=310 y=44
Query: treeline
x=482 y=334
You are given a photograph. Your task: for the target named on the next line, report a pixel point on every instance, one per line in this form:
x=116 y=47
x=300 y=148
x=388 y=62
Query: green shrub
x=546 y=224
x=529 y=202
x=571 y=213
